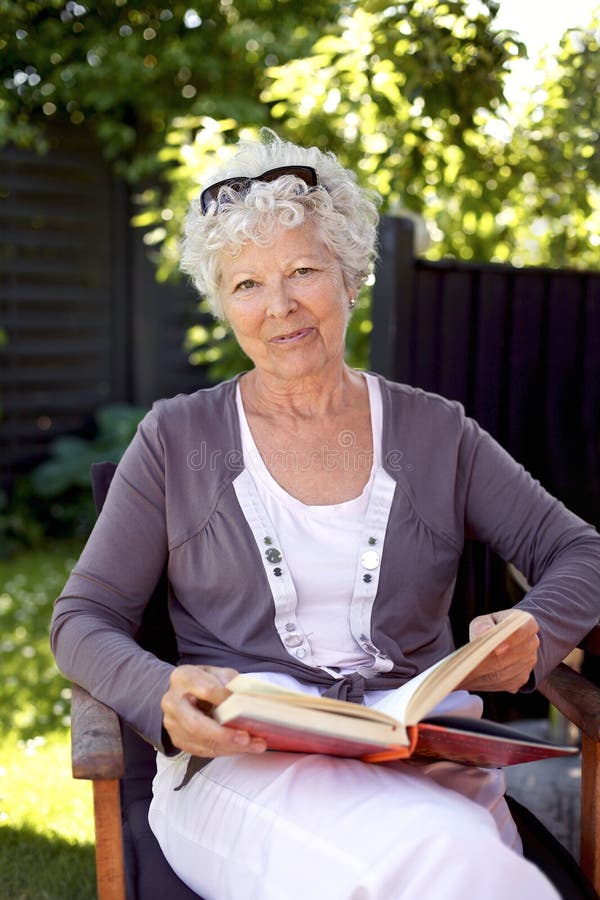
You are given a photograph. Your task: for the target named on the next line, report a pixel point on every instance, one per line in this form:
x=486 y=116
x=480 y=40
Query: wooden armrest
x=516 y=579
x=96 y=745
x=575 y=697
x=97 y=754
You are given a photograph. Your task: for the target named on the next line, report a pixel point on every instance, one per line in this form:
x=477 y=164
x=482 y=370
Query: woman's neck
x=309 y=397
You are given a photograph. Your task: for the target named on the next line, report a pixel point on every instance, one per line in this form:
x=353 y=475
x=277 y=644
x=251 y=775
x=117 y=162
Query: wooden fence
x=83 y=321
x=519 y=347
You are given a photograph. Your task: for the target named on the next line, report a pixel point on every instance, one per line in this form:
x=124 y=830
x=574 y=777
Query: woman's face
x=287 y=303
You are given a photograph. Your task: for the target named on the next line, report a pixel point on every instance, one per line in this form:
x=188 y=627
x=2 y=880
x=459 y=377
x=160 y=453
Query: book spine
x=412 y=732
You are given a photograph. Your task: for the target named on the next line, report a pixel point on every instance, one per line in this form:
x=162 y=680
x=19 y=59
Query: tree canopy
x=409 y=94
x=124 y=69
x=405 y=94
x=553 y=211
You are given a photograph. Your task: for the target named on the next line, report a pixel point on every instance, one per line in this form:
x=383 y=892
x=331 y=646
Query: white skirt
x=286 y=826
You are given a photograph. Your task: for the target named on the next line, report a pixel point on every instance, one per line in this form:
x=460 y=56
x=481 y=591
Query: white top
x=320 y=544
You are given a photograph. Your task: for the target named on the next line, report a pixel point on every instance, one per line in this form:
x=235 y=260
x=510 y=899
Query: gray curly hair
x=345 y=214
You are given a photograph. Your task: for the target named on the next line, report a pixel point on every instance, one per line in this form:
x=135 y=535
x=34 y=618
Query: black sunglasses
x=242 y=183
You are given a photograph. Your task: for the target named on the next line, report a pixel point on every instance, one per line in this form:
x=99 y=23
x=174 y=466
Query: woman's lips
x=291 y=337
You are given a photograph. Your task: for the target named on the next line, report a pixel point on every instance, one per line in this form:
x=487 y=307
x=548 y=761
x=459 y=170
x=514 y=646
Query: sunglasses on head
x=242 y=183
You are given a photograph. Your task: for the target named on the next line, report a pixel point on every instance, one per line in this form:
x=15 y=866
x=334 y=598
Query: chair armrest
x=575 y=697
x=96 y=744
x=516 y=582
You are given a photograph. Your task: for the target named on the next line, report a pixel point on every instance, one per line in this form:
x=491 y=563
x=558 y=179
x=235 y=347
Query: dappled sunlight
x=36 y=696
x=37 y=789
x=46 y=817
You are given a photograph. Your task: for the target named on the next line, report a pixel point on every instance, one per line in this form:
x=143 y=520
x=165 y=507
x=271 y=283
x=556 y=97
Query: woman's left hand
x=508 y=667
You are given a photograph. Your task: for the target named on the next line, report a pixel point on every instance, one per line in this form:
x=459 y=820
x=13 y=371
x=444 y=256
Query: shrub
x=55 y=498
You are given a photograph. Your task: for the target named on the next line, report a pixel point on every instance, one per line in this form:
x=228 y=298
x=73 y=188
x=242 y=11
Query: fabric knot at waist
x=350 y=687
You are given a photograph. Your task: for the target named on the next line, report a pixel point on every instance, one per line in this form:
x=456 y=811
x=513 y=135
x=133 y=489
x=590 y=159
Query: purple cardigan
x=172 y=501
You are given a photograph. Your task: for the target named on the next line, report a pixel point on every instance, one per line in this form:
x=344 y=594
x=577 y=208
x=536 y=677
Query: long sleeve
x=557 y=551
x=100 y=609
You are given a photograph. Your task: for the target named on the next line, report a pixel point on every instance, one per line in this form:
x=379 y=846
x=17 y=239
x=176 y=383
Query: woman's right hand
x=193 y=692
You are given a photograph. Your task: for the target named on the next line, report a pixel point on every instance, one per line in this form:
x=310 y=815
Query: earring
x=352 y=303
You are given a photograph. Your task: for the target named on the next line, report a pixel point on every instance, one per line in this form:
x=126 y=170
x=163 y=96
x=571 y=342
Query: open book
x=304 y=723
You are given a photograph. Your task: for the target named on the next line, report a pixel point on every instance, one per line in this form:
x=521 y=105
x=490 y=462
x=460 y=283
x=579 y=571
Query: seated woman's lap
x=284 y=826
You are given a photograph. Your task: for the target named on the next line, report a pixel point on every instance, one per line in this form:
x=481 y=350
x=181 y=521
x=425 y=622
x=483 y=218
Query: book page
x=266 y=716
x=256 y=687
x=422 y=693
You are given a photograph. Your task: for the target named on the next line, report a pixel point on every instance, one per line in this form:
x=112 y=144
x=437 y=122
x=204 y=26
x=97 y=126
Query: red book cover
x=479 y=742
x=295 y=740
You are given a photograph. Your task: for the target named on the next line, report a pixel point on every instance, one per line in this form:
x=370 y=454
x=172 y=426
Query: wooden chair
x=120 y=765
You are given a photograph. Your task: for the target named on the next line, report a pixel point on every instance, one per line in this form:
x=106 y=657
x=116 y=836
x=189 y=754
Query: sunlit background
x=541 y=24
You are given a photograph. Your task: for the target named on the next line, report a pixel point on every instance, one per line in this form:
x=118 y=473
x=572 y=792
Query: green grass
x=46 y=821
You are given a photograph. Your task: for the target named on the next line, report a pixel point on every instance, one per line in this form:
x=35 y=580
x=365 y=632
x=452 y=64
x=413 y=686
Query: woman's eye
x=245 y=285
x=303 y=270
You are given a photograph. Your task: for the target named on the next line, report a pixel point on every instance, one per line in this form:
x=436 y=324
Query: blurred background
x=476 y=121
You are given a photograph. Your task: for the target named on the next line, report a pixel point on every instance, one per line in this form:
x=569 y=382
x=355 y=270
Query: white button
x=293 y=640
x=301 y=653
x=370 y=559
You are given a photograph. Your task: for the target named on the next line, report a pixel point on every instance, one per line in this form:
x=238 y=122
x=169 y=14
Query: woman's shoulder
x=205 y=404
x=204 y=398
x=182 y=423
x=409 y=400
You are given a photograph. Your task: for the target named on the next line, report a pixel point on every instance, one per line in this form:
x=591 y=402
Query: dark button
x=372 y=541
x=277 y=571
x=367 y=578
x=268 y=540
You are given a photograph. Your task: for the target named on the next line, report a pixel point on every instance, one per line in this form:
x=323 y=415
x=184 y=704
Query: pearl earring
x=352 y=303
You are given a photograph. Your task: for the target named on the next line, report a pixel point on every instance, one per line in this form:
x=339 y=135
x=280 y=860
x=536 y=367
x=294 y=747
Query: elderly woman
x=262 y=496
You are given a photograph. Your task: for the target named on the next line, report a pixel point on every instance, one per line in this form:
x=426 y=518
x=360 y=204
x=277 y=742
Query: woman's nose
x=281 y=301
